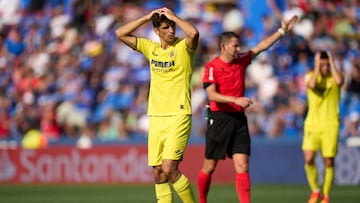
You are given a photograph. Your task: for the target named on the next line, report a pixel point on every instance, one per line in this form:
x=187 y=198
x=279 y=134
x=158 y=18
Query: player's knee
x=172 y=175
x=209 y=168
x=157 y=170
x=159 y=176
x=329 y=162
x=168 y=171
x=309 y=161
x=242 y=167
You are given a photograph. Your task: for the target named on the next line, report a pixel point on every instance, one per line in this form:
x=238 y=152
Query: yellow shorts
x=324 y=138
x=168 y=137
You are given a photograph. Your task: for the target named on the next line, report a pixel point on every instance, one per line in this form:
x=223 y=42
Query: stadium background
x=65 y=77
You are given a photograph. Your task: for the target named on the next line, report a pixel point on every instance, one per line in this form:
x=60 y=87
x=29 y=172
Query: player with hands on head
x=169 y=106
x=321 y=126
x=227 y=130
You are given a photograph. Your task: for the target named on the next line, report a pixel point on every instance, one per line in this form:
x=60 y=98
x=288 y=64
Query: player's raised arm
x=311 y=83
x=269 y=41
x=192 y=34
x=124 y=32
x=338 y=77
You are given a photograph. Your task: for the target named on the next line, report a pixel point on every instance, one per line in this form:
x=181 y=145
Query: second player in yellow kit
x=321 y=127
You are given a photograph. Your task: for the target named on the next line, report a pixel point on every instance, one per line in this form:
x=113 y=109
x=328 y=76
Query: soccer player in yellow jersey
x=169 y=107
x=321 y=127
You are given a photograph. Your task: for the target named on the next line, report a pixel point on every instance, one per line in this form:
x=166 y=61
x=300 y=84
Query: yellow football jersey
x=323 y=101
x=170 y=82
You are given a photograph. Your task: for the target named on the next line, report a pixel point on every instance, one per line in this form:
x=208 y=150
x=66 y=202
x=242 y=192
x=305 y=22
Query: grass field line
x=113 y=193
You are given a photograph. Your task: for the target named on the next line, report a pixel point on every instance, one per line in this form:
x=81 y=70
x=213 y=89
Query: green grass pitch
x=92 y=193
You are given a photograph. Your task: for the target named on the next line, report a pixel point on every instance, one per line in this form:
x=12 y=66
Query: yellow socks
x=328 y=180
x=311 y=175
x=184 y=190
x=163 y=193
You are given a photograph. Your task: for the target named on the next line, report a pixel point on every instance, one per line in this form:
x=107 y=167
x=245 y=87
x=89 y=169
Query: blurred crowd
x=64 y=73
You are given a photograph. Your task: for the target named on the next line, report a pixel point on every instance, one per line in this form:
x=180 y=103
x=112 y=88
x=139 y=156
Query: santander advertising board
x=71 y=165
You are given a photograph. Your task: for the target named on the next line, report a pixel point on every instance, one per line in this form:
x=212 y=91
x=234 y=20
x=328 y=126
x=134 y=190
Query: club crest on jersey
x=171 y=54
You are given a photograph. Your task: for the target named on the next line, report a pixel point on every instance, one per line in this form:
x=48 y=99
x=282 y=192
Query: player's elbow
x=340 y=81
x=212 y=97
x=120 y=33
x=310 y=86
x=194 y=34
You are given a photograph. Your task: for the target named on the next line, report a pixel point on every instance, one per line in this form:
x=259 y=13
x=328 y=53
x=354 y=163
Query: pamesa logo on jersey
x=162 y=66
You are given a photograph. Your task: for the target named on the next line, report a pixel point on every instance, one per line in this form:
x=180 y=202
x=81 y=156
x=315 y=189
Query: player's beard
x=170 y=39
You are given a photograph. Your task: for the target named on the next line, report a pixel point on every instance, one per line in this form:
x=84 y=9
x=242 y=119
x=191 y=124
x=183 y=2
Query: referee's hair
x=225 y=37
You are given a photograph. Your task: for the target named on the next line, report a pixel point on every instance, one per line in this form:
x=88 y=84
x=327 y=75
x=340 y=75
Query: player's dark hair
x=157 y=19
x=324 y=55
x=225 y=37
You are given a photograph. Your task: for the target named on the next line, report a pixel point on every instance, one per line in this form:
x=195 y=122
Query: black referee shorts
x=226 y=134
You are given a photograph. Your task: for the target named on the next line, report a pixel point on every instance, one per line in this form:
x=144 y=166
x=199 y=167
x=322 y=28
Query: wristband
x=282 y=31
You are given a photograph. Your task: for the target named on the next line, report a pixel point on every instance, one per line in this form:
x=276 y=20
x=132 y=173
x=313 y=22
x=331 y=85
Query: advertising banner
x=269 y=163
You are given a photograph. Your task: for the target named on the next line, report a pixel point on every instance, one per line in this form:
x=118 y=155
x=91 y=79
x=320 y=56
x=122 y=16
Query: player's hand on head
x=153 y=12
x=317 y=58
x=167 y=12
x=329 y=55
